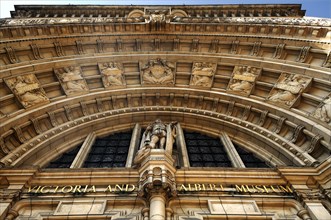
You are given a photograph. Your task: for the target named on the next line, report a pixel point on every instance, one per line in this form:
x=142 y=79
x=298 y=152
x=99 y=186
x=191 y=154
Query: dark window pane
x=205 y=151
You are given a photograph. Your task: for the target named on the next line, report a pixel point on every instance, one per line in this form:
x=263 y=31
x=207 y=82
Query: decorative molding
x=79 y=47
x=36 y=51
x=234 y=47
x=256 y=48
x=279 y=52
x=59 y=49
x=304 y=52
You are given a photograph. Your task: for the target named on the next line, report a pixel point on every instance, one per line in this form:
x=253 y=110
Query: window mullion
x=84 y=151
x=231 y=151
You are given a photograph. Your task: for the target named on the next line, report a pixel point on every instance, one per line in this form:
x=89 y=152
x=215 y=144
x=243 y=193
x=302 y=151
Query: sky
x=314 y=8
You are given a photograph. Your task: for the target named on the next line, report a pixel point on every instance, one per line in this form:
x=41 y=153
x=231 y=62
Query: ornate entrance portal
x=165 y=112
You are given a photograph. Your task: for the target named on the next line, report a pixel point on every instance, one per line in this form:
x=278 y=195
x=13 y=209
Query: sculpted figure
x=72 y=80
x=28 y=90
x=242 y=86
x=323 y=113
x=283 y=96
x=158 y=72
x=202 y=74
x=155 y=137
x=112 y=74
x=294 y=83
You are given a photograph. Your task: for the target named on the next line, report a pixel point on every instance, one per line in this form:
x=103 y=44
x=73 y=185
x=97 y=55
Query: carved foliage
x=203 y=74
x=27 y=89
x=72 y=80
x=112 y=74
x=158 y=71
x=288 y=89
x=243 y=80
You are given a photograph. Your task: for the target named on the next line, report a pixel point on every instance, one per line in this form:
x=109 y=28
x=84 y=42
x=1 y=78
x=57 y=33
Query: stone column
x=134 y=144
x=231 y=151
x=169 y=213
x=83 y=151
x=303 y=213
x=145 y=212
x=157 y=206
x=317 y=211
x=181 y=146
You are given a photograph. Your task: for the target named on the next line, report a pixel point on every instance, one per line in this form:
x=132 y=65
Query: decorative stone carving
x=243 y=80
x=79 y=46
x=59 y=49
x=36 y=51
x=327 y=62
x=303 y=54
x=288 y=88
x=158 y=72
x=323 y=112
x=11 y=55
x=203 y=74
x=306 y=21
x=112 y=74
x=279 y=51
x=157 y=135
x=27 y=89
x=72 y=80
x=256 y=48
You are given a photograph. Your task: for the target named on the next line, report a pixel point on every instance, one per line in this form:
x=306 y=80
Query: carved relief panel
x=112 y=74
x=243 y=80
x=203 y=74
x=323 y=112
x=288 y=89
x=27 y=90
x=158 y=72
x=72 y=80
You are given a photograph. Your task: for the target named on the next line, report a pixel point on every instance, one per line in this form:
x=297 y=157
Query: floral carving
x=158 y=72
x=27 y=89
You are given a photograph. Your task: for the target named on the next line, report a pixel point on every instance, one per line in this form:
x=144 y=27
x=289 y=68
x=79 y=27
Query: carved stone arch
x=179 y=13
x=136 y=14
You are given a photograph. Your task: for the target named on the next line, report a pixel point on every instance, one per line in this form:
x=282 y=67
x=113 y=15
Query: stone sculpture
x=158 y=72
x=203 y=74
x=288 y=88
x=243 y=79
x=156 y=136
x=323 y=112
x=72 y=80
x=112 y=74
x=27 y=90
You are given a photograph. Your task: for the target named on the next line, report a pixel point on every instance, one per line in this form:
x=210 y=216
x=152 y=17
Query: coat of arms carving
x=159 y=72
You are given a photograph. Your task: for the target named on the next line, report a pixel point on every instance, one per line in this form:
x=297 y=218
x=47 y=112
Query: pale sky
x=314 y=8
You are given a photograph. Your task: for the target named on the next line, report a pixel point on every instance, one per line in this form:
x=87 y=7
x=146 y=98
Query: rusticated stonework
x=72 y=80
x=158 y=72
x=203 y=74
x=243 y=80
x=27 y=89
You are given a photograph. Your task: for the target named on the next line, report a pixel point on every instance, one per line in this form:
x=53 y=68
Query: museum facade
x=165 y=112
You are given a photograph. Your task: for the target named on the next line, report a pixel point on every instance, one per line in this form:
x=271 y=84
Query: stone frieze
x=203 y=74
x=112 y=74
x=159 y=72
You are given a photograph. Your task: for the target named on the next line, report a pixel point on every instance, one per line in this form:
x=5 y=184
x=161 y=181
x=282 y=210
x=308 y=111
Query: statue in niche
x=202 y=74
x=112 y=74
x=158 y=72
x=72 y=80
x=288 y=88
x=323 y=112
x=27 y=90
x=156 y=136
x=243 y=79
